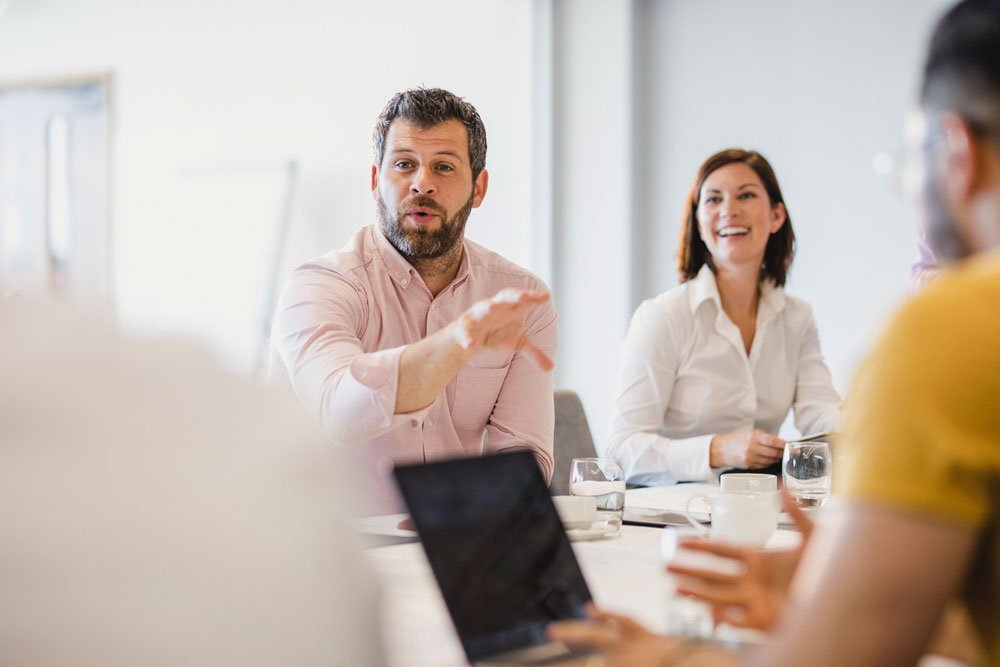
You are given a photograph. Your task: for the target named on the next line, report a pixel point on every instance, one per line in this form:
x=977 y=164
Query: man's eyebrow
x=407 y=150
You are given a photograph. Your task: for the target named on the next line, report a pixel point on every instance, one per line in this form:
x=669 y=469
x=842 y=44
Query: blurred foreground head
x=957 y=135
x=156 y=511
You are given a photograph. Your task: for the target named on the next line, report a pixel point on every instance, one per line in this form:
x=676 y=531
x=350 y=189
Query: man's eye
x=403 y=164
x=445 y=168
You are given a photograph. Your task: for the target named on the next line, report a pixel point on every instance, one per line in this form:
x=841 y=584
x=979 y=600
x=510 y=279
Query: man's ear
x=375 y=181
x=963 y=161
x=479 y=188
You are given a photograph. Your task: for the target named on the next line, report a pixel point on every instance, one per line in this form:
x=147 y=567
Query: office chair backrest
x=572 y=438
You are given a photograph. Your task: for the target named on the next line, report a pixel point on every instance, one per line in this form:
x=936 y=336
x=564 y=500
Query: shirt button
x=414 y=423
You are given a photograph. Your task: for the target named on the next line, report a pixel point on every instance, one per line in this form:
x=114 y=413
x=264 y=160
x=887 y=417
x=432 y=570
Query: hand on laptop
x=625 y=642
x=755 y=598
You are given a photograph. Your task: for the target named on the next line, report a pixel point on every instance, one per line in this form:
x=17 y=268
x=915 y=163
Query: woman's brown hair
x=693 y=253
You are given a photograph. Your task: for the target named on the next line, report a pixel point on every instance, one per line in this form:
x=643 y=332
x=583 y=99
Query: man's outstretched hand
x=497 y=323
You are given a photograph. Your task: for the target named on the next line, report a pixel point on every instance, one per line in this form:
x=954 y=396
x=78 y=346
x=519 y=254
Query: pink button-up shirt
x=340 y=329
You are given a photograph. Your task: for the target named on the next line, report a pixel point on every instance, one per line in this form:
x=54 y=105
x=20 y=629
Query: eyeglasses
x=903 y=168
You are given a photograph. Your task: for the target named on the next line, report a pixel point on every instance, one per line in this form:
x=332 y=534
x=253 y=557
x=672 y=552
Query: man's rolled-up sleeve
x=318 y=325
x=523 y=417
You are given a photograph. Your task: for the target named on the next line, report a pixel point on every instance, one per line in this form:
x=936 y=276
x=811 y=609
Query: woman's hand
x=755 y=598
x=745 y=449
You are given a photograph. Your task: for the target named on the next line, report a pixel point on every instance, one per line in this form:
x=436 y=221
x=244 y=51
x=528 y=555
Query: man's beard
x=942 y=233
x=421 y=243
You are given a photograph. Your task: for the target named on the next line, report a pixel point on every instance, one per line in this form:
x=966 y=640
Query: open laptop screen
x=497 y=549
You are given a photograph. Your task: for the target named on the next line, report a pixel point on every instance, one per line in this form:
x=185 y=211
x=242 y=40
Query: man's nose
x=422 y=183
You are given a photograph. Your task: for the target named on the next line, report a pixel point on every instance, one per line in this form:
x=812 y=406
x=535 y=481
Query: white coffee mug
x=576 y=511
x=741 y=519
x=748 y=482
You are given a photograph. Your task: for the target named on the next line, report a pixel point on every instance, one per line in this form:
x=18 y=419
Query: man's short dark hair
x=962 y=71
x=427 y=107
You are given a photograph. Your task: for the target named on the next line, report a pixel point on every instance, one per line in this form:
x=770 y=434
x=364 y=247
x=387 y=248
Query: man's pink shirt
x=340 y=329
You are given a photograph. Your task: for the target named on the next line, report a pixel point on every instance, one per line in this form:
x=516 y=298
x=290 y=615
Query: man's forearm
x=426 y=367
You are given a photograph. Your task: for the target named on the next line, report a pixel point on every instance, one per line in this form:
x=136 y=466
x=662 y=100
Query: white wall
x=592 y=195
x=819 y=89
x=212 y=83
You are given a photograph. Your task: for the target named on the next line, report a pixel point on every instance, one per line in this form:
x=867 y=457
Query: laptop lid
x=497 y=549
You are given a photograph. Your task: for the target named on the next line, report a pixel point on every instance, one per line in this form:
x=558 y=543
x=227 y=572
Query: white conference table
x=625 y=574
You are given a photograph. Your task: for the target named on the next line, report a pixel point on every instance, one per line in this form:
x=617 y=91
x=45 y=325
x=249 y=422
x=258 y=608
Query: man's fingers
x=584 y=633
x=717 y=548
x=802 y=521
x=538 y=357
x=704 y=575
x=519 y=296
x=734 y=615
x=711 y=593
x=626 y=623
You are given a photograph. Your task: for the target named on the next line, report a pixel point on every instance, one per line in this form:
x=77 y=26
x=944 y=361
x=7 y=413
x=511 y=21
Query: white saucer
x=593 y=533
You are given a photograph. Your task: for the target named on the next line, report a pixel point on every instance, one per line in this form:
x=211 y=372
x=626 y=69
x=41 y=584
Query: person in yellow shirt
x=920 y=471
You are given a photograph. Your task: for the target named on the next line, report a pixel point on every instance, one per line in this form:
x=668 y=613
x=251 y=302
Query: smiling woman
x=728 y=329
x=750 y=184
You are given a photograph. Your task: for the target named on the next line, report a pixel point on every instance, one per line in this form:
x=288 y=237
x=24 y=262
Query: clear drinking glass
x=806 y=471
x=603 y=479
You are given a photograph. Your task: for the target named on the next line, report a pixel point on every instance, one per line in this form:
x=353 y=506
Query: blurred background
x=167 y=163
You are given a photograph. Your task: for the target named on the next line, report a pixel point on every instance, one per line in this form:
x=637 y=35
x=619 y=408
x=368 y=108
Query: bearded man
x=412 y=343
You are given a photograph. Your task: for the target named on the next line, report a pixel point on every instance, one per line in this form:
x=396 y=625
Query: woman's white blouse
x=685 y=376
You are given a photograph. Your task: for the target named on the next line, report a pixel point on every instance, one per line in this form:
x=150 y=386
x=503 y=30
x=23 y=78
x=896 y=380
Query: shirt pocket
x=476 y=391
x=688 y=402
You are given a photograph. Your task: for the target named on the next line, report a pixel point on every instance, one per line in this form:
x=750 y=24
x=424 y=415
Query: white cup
x=741 y=519
x=576 y=511
x=748 y=482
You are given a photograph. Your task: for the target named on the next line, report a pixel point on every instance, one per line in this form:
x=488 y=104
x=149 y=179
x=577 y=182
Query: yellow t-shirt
x=924 y=421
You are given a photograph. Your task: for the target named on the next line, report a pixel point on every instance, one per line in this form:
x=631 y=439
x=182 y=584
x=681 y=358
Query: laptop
x=499 y=554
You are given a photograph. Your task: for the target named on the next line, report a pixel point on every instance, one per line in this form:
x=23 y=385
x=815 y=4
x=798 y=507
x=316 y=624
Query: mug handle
x=687 y=514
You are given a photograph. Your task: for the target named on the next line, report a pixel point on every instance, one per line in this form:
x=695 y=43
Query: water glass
x=806 y=471
x=604 y=480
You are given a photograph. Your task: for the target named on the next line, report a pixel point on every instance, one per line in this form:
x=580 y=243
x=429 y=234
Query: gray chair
x=572 y=438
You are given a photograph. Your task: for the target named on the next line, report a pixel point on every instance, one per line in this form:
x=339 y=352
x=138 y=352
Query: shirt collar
x=772 y=300
x=704 y=288
x=400 y=270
